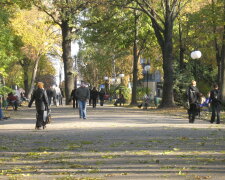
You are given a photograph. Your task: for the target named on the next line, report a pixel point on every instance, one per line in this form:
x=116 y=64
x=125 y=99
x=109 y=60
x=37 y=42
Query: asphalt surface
x=112 y=143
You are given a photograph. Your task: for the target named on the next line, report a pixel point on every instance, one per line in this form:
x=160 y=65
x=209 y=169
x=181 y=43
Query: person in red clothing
x=13 y=100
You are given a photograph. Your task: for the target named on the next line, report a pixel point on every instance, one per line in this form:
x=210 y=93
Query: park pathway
x=112 y=143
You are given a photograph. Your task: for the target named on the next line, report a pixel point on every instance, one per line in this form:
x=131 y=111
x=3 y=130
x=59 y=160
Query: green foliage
x=125 y=91
x=4 y=90
x=141 y=91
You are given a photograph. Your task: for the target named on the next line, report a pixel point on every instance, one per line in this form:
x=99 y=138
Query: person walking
x=215 y=97
x=82 y=94
x=193 y=101
x=41 y=102
x=101 y=96
x=94 y=95
x=49 y=92
x=74 y=98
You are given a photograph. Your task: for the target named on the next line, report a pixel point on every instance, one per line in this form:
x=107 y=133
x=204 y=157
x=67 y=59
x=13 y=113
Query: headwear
x=40 y=85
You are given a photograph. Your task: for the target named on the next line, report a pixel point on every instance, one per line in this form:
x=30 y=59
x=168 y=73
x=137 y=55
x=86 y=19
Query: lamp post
x=196 y=55
x=147 y=68
x=106 y=84
x=121 y=82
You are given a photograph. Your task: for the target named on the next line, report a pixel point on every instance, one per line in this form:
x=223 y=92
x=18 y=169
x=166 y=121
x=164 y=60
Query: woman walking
x=41 y=102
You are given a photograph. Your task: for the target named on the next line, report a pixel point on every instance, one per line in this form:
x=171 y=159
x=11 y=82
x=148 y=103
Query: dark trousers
x=193 y=112
x=215 y=113
x=94 y=100
x=75 y=103
x=40 y=119
x=49 y=100
x=101 y=102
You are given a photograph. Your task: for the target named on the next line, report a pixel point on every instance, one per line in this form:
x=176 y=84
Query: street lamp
x=196 y=55
x=121 y=76
x=147 y=68
x=106 y=84
x=121 y=82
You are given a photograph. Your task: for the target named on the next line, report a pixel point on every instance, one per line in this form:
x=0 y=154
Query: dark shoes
x=218 y=122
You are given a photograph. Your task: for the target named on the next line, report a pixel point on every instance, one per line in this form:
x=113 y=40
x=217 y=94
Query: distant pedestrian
x=101 y=96
x=74 y=98
x=193 y=101
x=58 y=95
x=215 y=97
x=94 y=95
x=61 y=97
x=82 y=94
x=41 y=102
x=90 y=99
x=50 y=93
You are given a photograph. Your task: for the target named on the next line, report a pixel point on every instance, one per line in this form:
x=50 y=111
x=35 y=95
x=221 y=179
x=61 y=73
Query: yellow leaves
x=31 y=26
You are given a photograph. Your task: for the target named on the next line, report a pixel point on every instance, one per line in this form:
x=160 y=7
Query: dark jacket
x=82 y=93
x=41 y=100
x=215 y=96
x=73 y=94
x=101 y=95
x=192 y=94
x=94 y=94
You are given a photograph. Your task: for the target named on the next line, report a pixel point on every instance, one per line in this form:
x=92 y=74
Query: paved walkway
x=112 y=143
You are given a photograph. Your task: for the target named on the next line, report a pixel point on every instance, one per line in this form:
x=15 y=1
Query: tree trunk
x=135 y=63
x=182 y=49
x=223 y=60
x=167 y=51
x=26 y=81
x=33 y=77
x=67 y=59
x=25 y=63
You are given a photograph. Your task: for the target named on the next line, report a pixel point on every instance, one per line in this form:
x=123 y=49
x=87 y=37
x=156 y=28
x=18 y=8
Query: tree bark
x=25 y=63
x=181 y=46
x=67 y=59
x=135 y=63
x=223 y=60
x=33 y=77
x=167 y=51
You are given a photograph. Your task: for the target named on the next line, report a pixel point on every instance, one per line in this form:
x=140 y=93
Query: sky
x=59 y=64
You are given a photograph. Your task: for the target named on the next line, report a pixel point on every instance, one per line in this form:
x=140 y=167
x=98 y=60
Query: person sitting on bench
x=120 y=100
x=12 y=100
x=145 y=103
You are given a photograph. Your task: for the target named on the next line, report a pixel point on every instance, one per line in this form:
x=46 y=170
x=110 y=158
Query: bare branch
x=48 y=13
x=151 y=14
x=180 y=8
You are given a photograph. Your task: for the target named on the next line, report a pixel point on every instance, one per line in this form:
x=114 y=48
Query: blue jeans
x=82 y=109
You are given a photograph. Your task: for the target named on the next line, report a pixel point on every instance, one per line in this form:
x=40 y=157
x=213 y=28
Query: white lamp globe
x=106 y=78
x=121 y=75
x=196 y=54
x=147 y=67
x=113 y=79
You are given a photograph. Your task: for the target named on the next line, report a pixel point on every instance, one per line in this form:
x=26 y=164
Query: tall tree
x=123 y=32
x=37 y=36
x=66 y=14
x=163 y=14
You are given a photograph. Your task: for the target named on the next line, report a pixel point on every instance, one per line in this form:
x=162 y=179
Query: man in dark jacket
x=41 y=102
x=94 y=96
x=82 y=94
x=215 y=97
x=193 y=100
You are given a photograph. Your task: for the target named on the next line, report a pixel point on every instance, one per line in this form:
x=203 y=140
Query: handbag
x=47 y=117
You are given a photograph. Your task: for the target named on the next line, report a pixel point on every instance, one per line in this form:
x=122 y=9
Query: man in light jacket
x=82 y=94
